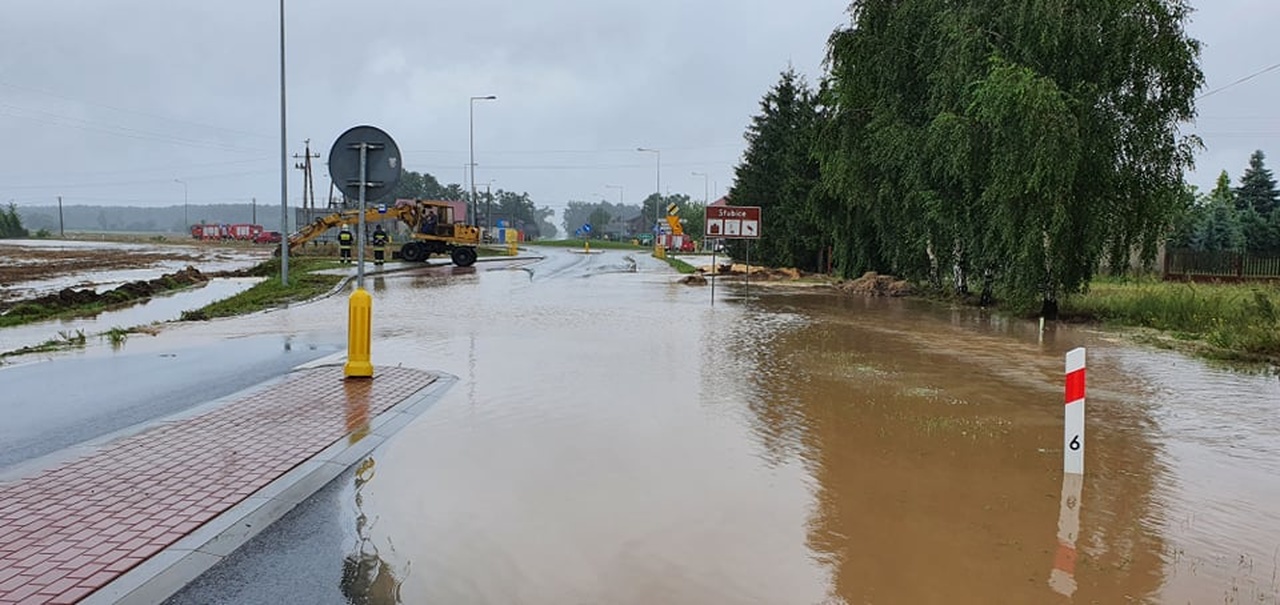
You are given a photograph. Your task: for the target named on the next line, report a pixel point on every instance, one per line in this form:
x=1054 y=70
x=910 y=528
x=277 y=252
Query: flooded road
x=613 y=438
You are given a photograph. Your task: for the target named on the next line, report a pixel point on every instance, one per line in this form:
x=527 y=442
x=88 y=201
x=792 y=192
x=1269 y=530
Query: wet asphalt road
x=614 y=439
x=54 y=405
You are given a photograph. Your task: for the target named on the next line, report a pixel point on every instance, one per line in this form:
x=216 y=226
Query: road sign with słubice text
x=737 y=222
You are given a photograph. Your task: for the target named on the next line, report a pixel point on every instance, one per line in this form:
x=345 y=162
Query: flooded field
x=30 y=268
x=613 y=438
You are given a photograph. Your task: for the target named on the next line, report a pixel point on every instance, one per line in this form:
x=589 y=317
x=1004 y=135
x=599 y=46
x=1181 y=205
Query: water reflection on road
x=616 y=439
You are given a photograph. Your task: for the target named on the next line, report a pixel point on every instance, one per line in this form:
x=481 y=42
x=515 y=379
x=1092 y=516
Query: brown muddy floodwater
x=613 y=438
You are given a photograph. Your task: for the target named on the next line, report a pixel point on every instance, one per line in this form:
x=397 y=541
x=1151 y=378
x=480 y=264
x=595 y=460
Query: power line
x=121 y=131
x=132 y=111
x=447 y=167
x=566 y=151
x=185 y=168
x=1240 y=81
x=60 y=186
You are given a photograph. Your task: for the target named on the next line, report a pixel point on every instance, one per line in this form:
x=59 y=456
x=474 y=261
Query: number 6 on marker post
x=1073 y=428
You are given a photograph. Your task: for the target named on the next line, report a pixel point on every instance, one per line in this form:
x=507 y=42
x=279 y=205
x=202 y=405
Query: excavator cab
x=436 y=230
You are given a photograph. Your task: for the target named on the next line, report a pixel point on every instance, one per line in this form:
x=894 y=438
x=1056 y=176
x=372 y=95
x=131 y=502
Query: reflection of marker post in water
x=1073 y=429
x=1062 y=578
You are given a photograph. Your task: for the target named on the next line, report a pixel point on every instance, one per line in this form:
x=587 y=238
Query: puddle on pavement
x=162 y=308
x=616 y=439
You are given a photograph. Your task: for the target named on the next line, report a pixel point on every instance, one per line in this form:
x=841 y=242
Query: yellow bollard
x=659 y=252
x=359 y=331
x=586 y=246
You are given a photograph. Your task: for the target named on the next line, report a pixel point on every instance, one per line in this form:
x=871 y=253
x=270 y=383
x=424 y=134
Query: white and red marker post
x=1062 y=578
x=1073 y=428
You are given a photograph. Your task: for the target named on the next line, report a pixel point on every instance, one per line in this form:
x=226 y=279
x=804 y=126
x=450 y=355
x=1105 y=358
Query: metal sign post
x=364 y=173
x=363 y=161
x=714 y=269
x=731 y=222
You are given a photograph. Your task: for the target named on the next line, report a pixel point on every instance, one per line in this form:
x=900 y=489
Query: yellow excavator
x=431 y=222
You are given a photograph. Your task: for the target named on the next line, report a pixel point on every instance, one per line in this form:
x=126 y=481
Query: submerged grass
x=1235 y=321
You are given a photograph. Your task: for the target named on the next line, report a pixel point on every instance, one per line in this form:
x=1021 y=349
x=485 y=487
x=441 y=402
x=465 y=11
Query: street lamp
x=619 y=188
x=186 y=223
x=474 y=206
x=706 y=190
x=658 y=155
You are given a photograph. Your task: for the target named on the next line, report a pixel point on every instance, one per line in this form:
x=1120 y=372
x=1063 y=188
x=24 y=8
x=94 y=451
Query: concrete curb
x=165 y=573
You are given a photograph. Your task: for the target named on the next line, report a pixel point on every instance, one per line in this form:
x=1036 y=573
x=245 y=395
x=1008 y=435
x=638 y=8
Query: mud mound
x=694 y=280
x=757 y=272
x=874 y=284
x=70 y=298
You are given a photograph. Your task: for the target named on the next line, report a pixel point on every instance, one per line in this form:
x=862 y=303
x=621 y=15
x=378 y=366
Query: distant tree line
x=631 y=220
x=982 y=144
x=515 y=209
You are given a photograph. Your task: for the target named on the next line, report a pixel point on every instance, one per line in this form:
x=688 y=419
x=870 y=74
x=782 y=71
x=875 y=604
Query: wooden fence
x=1223 y=266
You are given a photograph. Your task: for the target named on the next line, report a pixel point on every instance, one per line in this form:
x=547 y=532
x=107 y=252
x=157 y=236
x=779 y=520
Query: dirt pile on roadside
x=70 y=298
x=757 y=272
x=874 y=284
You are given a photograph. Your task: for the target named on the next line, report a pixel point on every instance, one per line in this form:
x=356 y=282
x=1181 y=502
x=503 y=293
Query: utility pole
x=255 y=211
x=284 y=172
x=308 y=187
x=61 y=231
x=488 y=205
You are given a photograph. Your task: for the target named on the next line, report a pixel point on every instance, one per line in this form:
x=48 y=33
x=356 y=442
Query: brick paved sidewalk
x=74 y=528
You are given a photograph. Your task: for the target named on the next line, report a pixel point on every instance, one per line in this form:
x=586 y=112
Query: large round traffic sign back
x=382 y=163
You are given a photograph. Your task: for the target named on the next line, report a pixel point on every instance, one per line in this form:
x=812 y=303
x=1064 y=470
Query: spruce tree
x=1258 y=187
x=779 y=174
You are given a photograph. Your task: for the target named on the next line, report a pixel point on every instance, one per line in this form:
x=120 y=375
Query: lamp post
x=472 y=137
x=284 y=168
x=658 y=172
x=619 y=188
x=706 y=189
x=186 y=223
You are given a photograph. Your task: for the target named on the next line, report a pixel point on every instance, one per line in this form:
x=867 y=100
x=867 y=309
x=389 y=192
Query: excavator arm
x=322 y=224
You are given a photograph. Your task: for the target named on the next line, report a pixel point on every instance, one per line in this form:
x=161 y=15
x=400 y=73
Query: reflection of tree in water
x=919 y=499
x=366 y=578
x=745 y=360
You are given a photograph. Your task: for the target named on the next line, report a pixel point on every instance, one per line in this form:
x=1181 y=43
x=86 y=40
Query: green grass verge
x=680 y=265
x=595 y=243
x=270 y=293
x=1235 y=321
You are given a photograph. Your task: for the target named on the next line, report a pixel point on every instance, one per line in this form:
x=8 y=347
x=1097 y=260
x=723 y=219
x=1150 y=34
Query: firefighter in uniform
x=380 y=241
x=345 y=239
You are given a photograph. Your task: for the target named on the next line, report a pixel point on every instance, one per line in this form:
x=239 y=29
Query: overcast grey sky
x=110 y=101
